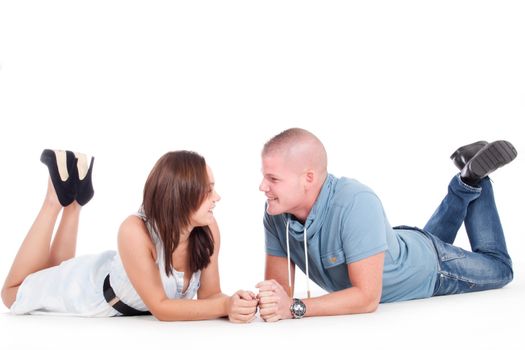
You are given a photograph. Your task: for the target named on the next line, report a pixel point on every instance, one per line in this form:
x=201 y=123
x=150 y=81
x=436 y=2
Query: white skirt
x=72 y=288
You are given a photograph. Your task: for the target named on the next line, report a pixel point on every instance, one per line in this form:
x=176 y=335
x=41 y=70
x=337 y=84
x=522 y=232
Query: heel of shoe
x=84 y=180
x=61 y=165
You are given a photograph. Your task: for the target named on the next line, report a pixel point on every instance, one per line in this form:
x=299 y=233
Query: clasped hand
x=272 y=300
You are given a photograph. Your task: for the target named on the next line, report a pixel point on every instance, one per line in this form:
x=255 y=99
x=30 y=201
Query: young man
x=336 y=231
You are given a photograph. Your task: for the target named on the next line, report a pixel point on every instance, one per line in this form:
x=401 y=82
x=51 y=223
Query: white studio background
x=392 y=88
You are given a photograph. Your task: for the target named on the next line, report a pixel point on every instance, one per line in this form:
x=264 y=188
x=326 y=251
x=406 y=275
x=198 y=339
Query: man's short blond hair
x=290 y=139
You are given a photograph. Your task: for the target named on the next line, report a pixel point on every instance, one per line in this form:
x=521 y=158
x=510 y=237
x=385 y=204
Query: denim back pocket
x=448 y=252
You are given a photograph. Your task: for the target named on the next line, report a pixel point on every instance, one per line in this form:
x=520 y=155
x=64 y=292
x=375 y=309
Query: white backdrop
x=390 y=87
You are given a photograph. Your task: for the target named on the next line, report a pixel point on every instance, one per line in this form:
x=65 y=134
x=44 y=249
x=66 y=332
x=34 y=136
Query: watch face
x=298 y=308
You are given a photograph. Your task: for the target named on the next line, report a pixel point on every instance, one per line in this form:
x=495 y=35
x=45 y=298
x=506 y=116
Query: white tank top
x=173 y=284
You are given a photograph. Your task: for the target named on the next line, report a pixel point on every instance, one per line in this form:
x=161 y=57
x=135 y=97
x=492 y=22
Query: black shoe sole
x=493 y=156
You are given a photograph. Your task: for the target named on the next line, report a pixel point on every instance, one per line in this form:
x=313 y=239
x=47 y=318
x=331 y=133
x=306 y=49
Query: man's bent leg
x=488 y=266
x=484 y=228
x=449 y=216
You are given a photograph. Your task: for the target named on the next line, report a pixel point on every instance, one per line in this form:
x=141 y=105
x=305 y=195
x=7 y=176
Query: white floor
x=485 y=320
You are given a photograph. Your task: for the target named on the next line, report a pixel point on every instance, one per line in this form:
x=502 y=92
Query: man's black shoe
x=491 y=157
x=465 y=153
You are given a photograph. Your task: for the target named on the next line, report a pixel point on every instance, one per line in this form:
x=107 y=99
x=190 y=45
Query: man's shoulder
x=350 y=187
x=348 y=191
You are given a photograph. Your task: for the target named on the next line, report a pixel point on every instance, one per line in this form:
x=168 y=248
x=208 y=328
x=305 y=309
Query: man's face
x=282 y=184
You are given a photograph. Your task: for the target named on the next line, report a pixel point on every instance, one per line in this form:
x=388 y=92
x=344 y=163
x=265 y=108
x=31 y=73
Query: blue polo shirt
x=346 y=224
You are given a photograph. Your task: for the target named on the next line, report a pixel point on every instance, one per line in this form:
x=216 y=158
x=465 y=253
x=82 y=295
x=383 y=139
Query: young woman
x=167 y=252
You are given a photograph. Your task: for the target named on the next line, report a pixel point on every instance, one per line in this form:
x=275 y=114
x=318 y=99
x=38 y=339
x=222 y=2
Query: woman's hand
x=242 y=307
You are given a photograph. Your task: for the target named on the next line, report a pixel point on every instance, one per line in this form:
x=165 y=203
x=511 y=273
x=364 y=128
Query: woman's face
x=204 y=215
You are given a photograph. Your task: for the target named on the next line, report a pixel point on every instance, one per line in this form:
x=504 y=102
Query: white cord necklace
x=305 y=259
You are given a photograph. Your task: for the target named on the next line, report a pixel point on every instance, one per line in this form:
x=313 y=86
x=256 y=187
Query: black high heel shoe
x=84 y=182
x=61 y=165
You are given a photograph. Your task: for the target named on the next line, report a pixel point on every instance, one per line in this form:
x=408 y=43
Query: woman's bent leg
x=33 y=254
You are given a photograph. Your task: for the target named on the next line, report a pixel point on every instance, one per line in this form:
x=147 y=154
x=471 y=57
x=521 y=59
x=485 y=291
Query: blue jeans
x=488 y=265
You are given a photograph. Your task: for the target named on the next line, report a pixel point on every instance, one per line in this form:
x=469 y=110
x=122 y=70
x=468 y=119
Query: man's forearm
x=344 y=302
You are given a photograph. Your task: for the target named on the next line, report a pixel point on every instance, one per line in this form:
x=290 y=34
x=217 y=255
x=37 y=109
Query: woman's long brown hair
x=175 y=189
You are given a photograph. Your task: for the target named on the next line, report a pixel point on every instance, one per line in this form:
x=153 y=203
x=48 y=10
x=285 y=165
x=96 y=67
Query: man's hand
x=274 y=302
x=242 y=307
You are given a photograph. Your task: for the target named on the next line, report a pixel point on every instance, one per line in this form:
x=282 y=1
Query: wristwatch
x=298 y=309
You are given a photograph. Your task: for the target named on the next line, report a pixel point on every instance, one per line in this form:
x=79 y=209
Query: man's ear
x=310 y=177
